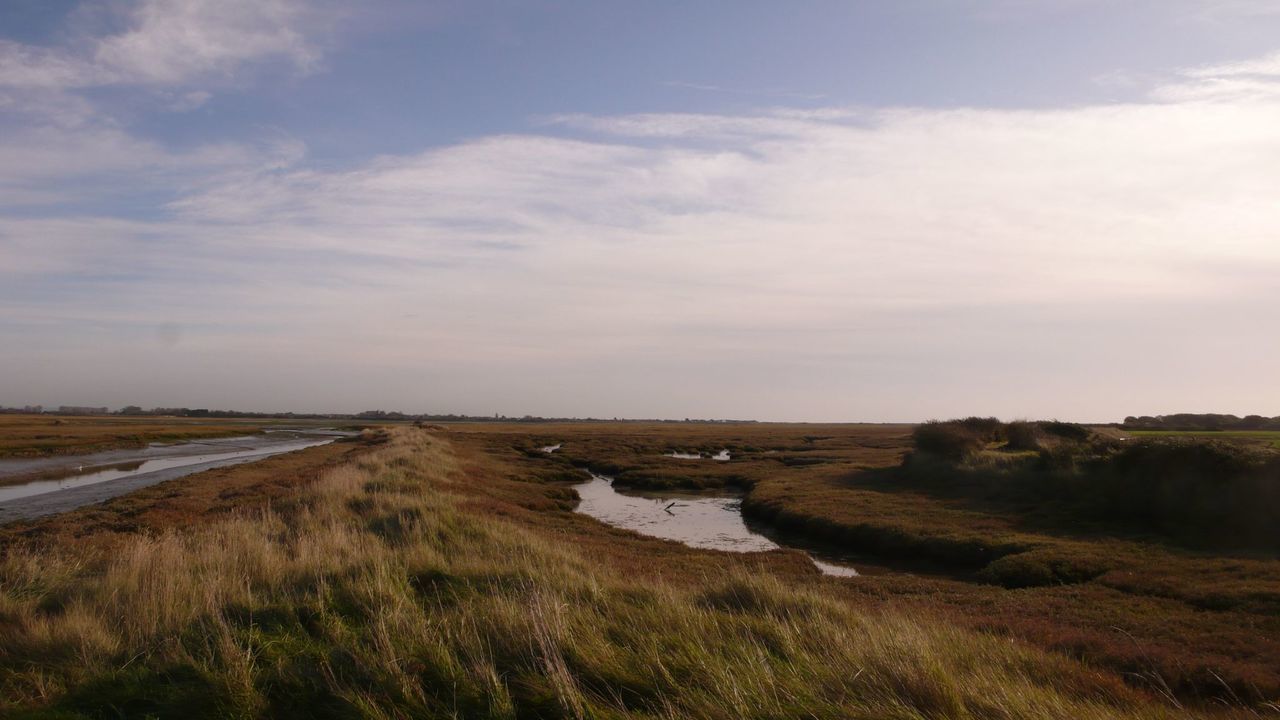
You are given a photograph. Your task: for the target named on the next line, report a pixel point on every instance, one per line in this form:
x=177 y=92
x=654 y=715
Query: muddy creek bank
x=713 y=523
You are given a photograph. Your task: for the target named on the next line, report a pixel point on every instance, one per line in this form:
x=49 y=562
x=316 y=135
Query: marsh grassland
x=43 y=435
x=1159 y=566
x=444 y=573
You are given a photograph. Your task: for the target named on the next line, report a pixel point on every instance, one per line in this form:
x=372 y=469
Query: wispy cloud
x=1252 y=79
x=779 y=93
x=1199 y=11
x=1220 y=10
x=881 y=252
x=166 y=43
x=833 y=262
x=773 y=122
x=1265 y=67
x=171 y=55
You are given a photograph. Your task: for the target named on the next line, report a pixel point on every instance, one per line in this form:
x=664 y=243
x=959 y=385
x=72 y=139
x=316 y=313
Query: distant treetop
x=1200 y=421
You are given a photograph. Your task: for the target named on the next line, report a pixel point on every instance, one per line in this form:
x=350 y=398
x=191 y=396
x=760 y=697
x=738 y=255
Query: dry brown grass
x=412 y=582
x=1204 y=626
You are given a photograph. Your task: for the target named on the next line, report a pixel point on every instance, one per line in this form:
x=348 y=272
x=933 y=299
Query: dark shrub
x=1019 y=571
x=952 y=440
x=1198 y=491
x=989 y=429
x=1201 y=421
x=1041 y=567
x=1023 y=435
x=1065 y=430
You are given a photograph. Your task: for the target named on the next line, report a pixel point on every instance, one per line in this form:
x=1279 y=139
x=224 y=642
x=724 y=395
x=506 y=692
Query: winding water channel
x=723 y=455
x=713 y=523
x=45 y=486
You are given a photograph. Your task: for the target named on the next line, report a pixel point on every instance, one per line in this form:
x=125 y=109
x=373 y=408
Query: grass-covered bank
x=1200 y=623
x=1210 y=492
x=393 y=587
x=1154 y=558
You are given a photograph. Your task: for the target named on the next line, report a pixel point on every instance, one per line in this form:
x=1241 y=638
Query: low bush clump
x=1190 y=490
x=950 y=440
x=961 y=440
x=1065 y=430
x=1045 y=566
x=1203 y=492
x=1023 y=435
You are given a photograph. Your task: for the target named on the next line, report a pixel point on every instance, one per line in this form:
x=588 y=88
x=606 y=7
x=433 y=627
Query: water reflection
x=83 y=475
x=722 y=455
x=713 y=523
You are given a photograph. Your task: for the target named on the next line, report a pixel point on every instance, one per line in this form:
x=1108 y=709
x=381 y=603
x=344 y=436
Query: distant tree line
x=25 y=410
x=1200 y=421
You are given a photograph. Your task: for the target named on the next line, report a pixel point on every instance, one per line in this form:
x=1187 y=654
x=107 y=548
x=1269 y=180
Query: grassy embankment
x=418 y=580
x=1199 y=622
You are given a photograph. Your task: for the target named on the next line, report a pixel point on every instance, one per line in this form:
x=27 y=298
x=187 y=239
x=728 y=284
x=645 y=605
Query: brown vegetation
x=424 y=580
x=42 y=435
x=1202 y=626
x=447 y=575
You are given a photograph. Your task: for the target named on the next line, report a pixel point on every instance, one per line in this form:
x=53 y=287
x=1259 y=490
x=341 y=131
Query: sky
x=839 y=210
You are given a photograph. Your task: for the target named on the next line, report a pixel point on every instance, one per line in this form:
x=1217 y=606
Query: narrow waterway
x=721 y=456
x=713 y=523
x=83 y=480
x=91 y=474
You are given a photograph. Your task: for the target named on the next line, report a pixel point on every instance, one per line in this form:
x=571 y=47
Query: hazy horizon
x=820 y=211
x=54 y=408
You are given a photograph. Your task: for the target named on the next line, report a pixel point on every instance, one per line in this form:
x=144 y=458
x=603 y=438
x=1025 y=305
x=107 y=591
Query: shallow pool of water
x=721 y=456
x=713 y=523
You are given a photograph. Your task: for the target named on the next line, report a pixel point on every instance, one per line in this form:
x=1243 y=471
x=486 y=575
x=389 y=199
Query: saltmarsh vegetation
x=44 y=435
x=380 y=591
x=1195 y=491
x=992 y=542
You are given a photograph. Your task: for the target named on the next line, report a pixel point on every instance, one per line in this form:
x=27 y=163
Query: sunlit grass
x=377 y=593
x=1271 y=437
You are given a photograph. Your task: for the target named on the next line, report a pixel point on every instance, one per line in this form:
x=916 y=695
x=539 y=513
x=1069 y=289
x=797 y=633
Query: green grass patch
x=1269 y=437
